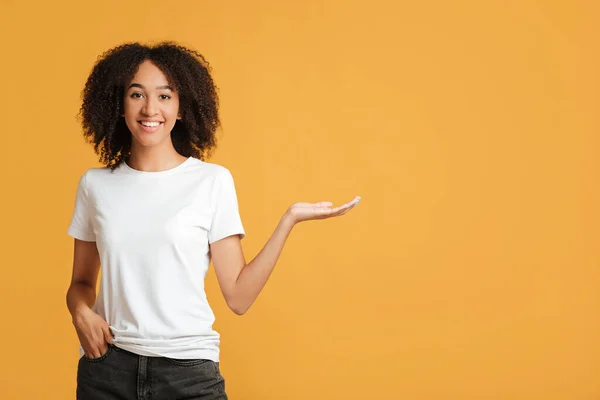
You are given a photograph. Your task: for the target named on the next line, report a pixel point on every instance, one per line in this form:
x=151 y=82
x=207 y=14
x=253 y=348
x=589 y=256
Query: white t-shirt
x=153 y=230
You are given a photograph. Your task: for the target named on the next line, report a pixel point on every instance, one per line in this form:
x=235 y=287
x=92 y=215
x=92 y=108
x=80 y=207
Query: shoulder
x=95 y=174
x=90 y=173
x=216 y=171
x=94 y=178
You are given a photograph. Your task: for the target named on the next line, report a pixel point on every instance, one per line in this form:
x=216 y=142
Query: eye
x=136 y=95
x=165 y=96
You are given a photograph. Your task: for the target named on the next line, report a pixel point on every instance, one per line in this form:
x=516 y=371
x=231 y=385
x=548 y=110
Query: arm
x=86 y=265
x=241 y=283
x=93 y=331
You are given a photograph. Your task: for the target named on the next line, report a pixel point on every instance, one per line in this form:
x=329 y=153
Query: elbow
x=237 y=307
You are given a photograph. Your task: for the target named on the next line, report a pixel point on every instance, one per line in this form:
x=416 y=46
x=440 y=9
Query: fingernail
x=113 y=340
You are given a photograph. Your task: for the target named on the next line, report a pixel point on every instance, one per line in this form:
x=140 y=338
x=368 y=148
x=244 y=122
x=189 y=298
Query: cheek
x=129 y=109
x=173 y=109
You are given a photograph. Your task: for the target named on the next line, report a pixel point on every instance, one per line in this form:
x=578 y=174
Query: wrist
x=80 y=312
x=288 y=219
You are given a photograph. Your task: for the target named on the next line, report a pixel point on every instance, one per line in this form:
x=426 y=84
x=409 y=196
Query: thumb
x=108 y=336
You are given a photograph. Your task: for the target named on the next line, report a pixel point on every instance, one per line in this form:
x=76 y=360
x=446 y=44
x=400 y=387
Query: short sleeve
x=81 y=221
x=226 y=220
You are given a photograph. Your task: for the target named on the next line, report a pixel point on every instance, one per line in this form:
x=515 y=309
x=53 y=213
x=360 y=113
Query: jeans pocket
x=189 y=362
x=102 y=357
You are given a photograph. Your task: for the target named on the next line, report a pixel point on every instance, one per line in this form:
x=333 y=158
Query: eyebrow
x=142 y=86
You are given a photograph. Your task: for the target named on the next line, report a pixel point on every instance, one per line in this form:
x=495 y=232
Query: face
x=151 y=107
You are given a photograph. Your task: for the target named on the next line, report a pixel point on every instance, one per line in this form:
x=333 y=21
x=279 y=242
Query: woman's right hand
x=93 y=332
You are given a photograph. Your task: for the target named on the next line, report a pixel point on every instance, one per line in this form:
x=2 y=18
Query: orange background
x=471 y=268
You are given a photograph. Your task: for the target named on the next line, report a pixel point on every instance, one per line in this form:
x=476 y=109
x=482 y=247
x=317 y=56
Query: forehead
x=150 y=74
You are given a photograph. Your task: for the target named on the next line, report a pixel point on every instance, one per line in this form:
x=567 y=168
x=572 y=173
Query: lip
x=150 y=129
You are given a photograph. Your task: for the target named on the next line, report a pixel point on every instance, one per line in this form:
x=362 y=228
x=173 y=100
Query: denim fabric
x=122 y=375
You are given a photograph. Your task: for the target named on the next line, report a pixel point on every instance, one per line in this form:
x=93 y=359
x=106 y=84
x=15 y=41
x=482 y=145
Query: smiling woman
x=150 y=106
x=153 y=218
x=132 y=84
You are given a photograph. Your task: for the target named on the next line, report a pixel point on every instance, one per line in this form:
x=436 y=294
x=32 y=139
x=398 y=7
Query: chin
x=148 y=140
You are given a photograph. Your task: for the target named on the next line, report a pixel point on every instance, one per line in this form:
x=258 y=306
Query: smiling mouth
x=150 y=126
x=150 y=123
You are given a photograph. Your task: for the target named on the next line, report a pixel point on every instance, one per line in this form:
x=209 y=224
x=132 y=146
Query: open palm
x=309 y=211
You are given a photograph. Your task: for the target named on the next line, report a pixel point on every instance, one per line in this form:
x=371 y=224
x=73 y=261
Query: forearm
x=255 y=274
x=80 y=297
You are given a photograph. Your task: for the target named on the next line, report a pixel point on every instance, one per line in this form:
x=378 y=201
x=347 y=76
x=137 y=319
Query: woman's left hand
x=299 y=212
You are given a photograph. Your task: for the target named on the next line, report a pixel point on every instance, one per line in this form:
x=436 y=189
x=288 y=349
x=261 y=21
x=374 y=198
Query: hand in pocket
x=93 y=332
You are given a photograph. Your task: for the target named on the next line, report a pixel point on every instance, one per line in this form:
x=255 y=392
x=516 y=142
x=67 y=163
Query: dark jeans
x=122 y=375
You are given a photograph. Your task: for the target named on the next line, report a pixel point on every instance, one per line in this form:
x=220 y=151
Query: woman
x=154 y=217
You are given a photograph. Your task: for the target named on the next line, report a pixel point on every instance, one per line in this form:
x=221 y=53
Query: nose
x=150 y=107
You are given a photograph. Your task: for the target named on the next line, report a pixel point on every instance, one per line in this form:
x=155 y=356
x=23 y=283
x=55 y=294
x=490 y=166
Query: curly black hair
x=187 y=72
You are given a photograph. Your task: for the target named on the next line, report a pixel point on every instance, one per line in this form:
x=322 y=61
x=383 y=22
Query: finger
x=108 y=336
x=320 y=211
x=355 y=200
x=319 y=204
x=340 y=208
x=100 y=350
x=95 y=353
x=342 y=212
x=344 y=209
x=352 y=203
x=325 y=204
x=86 y=351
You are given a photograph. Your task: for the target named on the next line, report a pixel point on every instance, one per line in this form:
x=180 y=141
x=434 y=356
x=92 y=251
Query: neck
x=154 y=161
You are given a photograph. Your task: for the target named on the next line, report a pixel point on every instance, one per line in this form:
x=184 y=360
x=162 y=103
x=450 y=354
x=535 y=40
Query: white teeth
x=150 y=123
